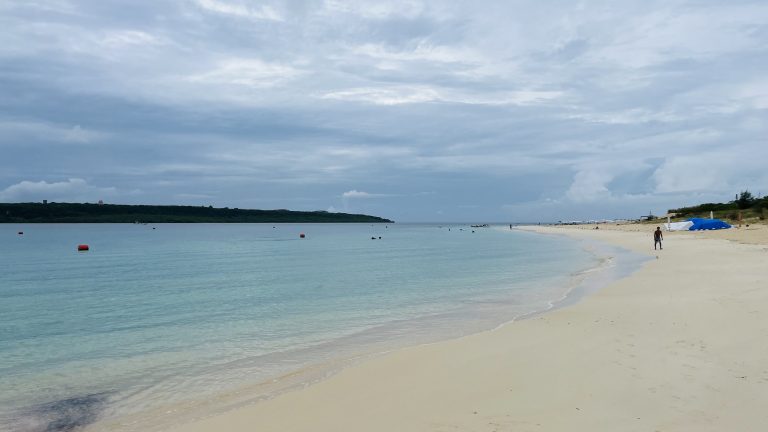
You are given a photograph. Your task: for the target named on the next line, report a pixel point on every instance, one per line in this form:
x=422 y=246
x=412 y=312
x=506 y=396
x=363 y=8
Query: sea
x=158 y=324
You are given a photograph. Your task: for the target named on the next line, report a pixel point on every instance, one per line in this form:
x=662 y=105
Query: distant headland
x=49 y=212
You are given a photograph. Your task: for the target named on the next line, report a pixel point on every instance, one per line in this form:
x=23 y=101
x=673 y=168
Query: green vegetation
x=752 y=209
x=111 y=213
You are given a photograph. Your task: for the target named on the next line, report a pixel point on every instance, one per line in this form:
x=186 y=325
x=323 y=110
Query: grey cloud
x=502 y=110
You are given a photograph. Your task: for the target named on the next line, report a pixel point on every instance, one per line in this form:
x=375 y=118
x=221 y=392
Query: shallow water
x=157 y=315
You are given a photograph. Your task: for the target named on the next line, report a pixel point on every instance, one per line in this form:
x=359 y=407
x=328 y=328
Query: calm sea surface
x=158 y=316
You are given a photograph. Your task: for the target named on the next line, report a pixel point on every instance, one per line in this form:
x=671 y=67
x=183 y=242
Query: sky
x=484 y=111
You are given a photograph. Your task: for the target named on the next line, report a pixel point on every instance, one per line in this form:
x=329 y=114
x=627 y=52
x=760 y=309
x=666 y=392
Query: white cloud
x=13 y=131
x=123 y=38
x=630 y=116
x=241 y=9
x=79 y=135
x=74 y=189
x=589 y=185
x=528 y=97
x=354 y=193
x=754 y=93
x=399 y=95
x=667 y=33
x=373 y=9
x=719 y=171
x=386 y=96
x=253 y=73
x=422 y=51
x=59 y=6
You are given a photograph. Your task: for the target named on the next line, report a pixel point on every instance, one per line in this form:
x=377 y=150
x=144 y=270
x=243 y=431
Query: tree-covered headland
x=745 y=203
x=117 y=213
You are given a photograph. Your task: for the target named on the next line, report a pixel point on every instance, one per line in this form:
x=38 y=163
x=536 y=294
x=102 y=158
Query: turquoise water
x=150 y=318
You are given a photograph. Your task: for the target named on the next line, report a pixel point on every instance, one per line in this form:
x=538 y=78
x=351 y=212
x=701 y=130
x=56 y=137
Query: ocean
x=157 y=324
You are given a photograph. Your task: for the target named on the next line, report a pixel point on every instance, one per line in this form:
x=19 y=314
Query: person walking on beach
x=657 y=238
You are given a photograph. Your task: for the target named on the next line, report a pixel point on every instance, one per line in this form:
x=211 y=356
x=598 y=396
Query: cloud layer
x=503 y=111
x=74 y=189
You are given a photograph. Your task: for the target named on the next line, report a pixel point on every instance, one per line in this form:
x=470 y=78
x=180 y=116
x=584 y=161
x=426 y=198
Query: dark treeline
x=744 y=201
x=113 y=213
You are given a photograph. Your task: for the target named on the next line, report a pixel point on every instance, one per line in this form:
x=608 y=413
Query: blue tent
x=707 y=224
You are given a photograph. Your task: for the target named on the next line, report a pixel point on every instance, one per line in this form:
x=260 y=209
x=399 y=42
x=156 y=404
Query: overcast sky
x=411 y=110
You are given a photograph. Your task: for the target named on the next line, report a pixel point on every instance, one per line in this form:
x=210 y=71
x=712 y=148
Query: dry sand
x=678 y=346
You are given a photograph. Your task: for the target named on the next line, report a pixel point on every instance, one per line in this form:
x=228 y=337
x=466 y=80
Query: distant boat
x=480 y=226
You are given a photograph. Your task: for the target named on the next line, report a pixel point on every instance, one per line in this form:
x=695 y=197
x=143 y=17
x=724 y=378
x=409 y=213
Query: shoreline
x=575 y=286
x=588 y=351
x=589 y=281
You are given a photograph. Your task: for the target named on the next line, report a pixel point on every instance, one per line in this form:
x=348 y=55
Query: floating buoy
x=301 y=235
x=21 y=232
x=82 y=247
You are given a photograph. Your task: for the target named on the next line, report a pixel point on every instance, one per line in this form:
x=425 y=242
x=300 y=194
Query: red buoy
x=301 y=235
x=83 y=247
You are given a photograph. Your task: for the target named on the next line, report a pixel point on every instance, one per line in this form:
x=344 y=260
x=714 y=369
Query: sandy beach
x=677 y=346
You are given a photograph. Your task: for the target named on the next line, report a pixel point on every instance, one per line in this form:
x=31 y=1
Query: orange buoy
x=82 y=247
x=301 y=235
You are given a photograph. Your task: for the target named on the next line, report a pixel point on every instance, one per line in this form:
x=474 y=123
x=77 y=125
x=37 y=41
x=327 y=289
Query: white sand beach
x=677 y=346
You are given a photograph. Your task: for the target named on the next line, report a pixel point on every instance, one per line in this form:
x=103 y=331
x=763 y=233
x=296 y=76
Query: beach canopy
x=678 y=226
x=707 y=224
